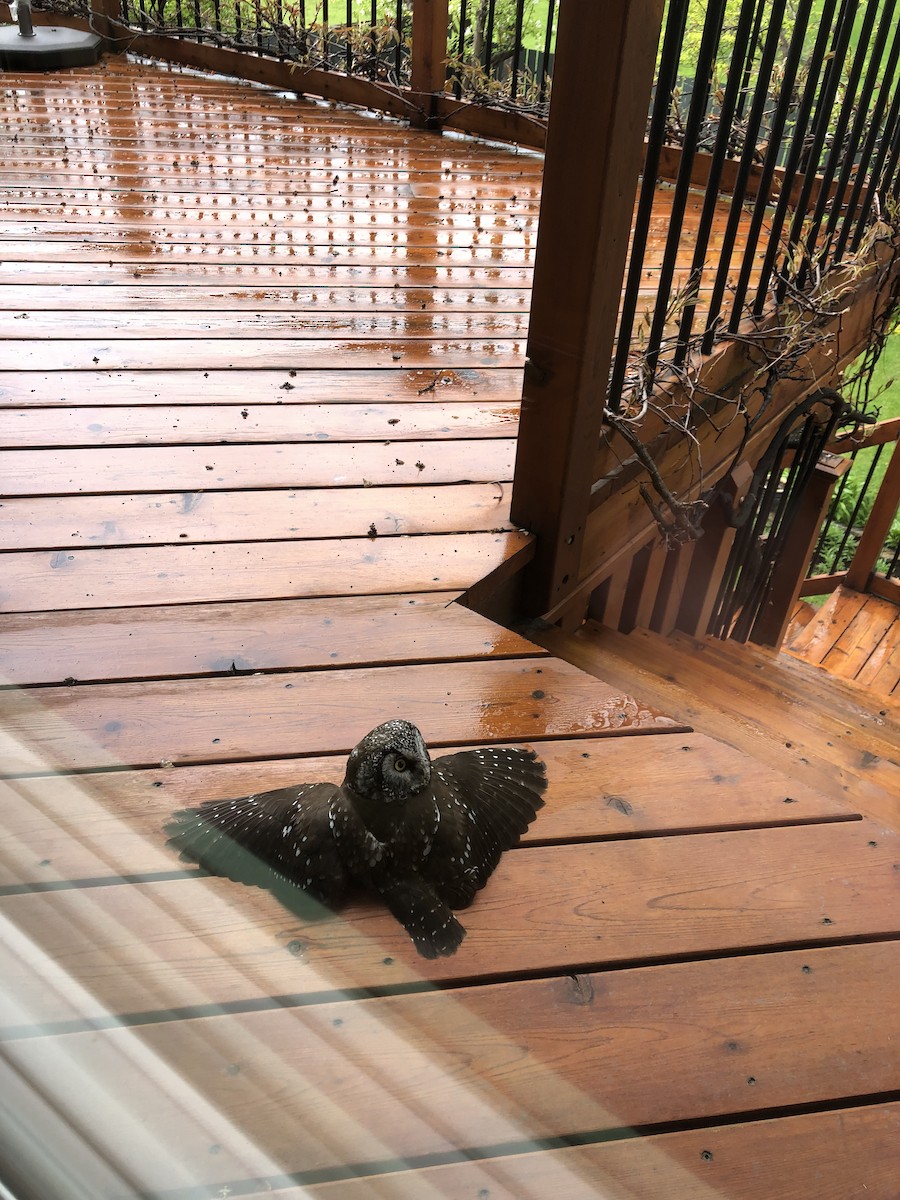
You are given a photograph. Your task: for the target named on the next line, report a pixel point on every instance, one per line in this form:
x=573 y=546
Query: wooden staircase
x=816 y=728
x=855 y=636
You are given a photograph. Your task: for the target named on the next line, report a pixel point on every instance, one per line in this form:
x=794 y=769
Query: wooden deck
x=259 y=380
x=854 y=636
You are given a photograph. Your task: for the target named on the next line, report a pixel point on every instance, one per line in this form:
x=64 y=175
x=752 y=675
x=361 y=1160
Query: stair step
x=855 y=637
x=805 y=683
x=785 y=733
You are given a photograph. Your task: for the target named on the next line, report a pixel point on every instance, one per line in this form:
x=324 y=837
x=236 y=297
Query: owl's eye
x=400 y=763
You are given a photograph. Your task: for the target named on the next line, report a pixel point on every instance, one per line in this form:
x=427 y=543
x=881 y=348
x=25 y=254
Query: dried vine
x=782 y=344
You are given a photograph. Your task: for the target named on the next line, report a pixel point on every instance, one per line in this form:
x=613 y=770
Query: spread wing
x=487 y=799
x=269 y=840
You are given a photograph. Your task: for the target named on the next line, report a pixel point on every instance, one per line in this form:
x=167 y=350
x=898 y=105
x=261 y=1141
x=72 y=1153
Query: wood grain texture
x=253 y=422
x=331 y=1084
x=205 y=468
x=202 y=639
x=172 y=945
x=211 y=720
x=192 y=295
x=821 y=1156
x=96 y=826
x=252 y=353
x=82 y=521
x=246 y=389
x=100 y=327
x=853 y=774
x=117 y=577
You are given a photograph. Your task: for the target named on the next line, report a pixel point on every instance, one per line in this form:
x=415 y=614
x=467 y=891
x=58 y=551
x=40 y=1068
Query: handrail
x=858 y=567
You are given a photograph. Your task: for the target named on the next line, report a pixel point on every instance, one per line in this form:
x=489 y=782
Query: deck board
x=321 y=1086
x=237 y=331
x=62 y=829
x=180 y=944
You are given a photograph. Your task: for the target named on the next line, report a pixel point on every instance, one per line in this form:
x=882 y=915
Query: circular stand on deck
x=49 y=48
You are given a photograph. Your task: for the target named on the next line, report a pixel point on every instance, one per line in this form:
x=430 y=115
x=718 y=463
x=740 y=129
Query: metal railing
x=368 y=38
x=866 y=496
x=501 y=52
x=791 y=113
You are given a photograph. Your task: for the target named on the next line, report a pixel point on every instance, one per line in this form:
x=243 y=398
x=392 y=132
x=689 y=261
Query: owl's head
x=390 y=764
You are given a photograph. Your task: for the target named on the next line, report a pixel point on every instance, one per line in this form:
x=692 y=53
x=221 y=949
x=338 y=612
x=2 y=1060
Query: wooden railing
x=803 y=195
x=341 y=68
x=859 y=540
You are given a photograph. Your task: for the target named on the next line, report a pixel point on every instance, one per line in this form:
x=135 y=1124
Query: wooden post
x=106 y=18
x=431 y=23
x=603 y=74
x=790 y=570
x=884 y=510
x=701 y=588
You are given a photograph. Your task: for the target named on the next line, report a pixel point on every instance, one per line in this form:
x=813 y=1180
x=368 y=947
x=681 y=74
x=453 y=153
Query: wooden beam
x=429 y=58
x=884 y=510
x=784 y=591
x=605 y=59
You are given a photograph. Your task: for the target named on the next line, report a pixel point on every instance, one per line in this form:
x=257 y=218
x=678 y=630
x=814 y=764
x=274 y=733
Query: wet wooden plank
x=148 y=297
x=250 y=353
x=177 y=944
x=254 y=422
x=285 y=387
x=106 y=825
x=325 y=1085
x=853 y=774
x=200 y=639
x=63 y=579
x=222 y=719
x=170 y=271
x=862 y=638
x=816 y=1156
x=280 y=250
x=287 y=465
x=817 y=638
x=356 y=326
x=83 y=521
x=513 y=243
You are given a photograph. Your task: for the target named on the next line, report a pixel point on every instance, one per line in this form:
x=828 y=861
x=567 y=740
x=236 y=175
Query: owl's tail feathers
x=435 y=931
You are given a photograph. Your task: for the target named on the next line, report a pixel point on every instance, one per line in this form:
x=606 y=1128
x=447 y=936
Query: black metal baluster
x=460 y=47
x=795 y=152
x=717 y=161
x=709 y=43
x=850 y=154
x=812 y=152
x=857 y=508
x=489 y=38
x=665 y=82
x=882 y=171
x=517 y=50
x=764 y=180
x=836 y=154
x=888 y=131
x=747 y=74
x=873 y=130
x=545 y=61
x=736 y=212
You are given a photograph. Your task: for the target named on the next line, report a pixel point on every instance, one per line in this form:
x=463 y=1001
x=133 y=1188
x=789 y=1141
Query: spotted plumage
x=424 y=835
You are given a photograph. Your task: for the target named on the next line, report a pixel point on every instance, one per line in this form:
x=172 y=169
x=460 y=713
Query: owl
x=422 y=835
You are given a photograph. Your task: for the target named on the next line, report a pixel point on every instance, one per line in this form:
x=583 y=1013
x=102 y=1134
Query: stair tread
x=706 y=695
